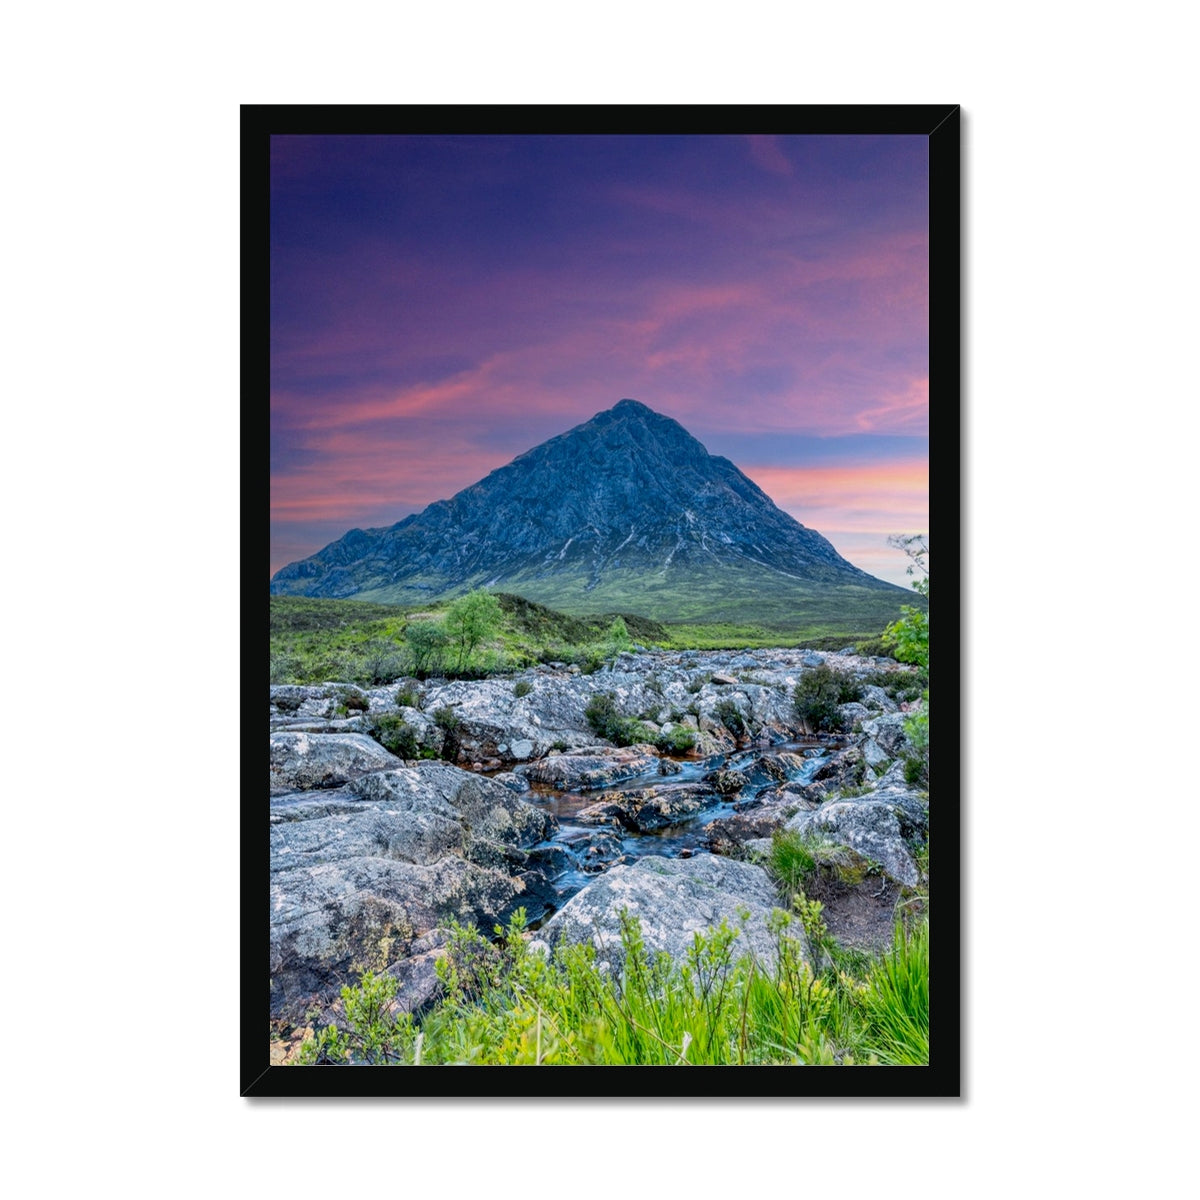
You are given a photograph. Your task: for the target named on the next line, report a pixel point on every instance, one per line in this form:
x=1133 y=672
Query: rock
x=724 y=680
x=645 y=809
x=353 y=882
x=726 y=781
x=878 y=826
x=876 y=699
x=888 y=733
x=873 y=754
x=672 y=899
x=301 y=761
x=593 y=850
x=853 y=714
x=774 y=768
x=588 y=772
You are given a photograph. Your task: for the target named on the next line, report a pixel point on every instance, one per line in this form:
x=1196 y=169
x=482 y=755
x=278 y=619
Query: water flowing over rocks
x=369 y=853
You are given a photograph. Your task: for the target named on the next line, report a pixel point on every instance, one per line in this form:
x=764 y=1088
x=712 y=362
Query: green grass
x=312 y=641
x=503 y=1004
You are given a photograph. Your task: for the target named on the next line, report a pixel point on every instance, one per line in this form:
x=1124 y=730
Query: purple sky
x=440 y=304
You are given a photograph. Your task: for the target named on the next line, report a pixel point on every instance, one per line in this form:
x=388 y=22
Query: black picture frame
x=943 y=1076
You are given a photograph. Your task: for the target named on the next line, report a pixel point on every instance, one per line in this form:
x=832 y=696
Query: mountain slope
x=625 y=511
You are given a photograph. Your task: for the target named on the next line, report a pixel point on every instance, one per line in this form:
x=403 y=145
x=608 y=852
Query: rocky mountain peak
x=627 y=510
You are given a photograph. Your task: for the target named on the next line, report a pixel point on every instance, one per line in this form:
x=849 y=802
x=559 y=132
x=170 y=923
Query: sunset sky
x=441 y=304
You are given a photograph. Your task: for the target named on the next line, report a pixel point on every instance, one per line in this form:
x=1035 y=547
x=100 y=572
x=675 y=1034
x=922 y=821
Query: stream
x=579 y=850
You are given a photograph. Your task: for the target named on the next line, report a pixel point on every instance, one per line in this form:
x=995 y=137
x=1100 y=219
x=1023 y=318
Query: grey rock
x=355 y=880
x=587 y=772
x=888 y=732
x=645 y=809
x=302 y=761
x=673 y=900
x=878 y=826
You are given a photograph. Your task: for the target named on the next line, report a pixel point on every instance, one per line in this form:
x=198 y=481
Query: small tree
x=470 y=620
x=426 y=641
x=909 y=636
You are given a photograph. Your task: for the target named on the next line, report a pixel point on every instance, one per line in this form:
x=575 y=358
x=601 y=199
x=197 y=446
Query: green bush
x=819 y=693
x=916 y=729
x=522 y=688
x=678 y=741
x=728 y=713
x=394 y=734
x=607 y=722
x=406 y=698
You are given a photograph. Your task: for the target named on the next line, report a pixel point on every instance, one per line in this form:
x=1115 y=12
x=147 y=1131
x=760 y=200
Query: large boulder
x=673 y=899
x=882 y=825
x=357 y=874
x=302 y=761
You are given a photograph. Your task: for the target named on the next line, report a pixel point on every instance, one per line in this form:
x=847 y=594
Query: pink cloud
x=766 y=153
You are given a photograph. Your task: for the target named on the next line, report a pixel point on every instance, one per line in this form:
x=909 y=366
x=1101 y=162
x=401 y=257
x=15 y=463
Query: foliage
x=618 y=639
x=470 y=621
x=504 y=1003
x=376 y=1032
x=728 y=713
x=896 y=999
x=607 y=722
x=916 y=729
x=679 y=741
x=791 y=861
x=820 y=692
x=394 y=734
x=909 y=636
x=406 y=697
x=522 y=688
x=426 y=640
x=382 y=661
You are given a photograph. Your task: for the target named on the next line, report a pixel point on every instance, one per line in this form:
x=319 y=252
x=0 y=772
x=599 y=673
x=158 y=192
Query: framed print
x=600 y=498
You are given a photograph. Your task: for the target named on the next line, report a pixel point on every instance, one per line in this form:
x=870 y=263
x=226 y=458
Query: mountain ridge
x=626 y=506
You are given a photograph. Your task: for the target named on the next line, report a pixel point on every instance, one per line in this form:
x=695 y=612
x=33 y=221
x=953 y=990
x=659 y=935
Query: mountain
x=625 y=512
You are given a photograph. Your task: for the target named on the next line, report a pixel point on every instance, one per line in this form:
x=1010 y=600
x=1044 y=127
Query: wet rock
x=726 y=781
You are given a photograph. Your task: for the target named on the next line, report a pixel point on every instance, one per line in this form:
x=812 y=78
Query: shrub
x=382 y=661
x=678 y=741
x=449 y=722
x=728 y=713
x=426 y=641
x=522 y=688
x=916 y=729
x=353 y=702
x=607 y=722
x=394 y=734
x=819 y=693
x=406 y=697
